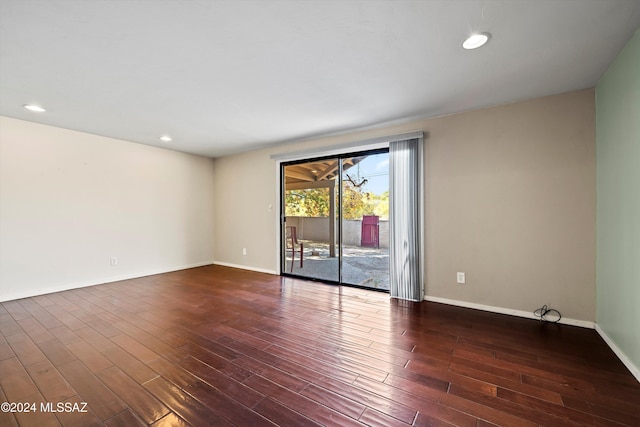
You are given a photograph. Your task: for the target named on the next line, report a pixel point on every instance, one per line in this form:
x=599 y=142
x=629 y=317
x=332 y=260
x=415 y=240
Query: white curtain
x=405 y=219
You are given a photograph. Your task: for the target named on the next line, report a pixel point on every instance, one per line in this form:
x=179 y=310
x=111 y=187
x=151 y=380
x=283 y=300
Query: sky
x=375 y=169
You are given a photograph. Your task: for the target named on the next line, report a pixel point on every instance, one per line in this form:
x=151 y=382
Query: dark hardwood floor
x=220 y=346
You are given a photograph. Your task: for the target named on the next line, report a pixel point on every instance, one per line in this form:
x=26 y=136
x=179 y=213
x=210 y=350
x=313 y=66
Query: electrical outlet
x=244 y=251
x=113 y=260
x=460 y=277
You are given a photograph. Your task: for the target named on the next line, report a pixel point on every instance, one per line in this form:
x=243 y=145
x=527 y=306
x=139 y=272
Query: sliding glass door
x=365 y=221
x=310 y=210
x=335 y=219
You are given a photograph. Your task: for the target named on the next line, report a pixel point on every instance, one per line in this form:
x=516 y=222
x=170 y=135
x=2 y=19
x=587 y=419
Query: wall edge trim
x=246 y=267
x=96 y=282
x=635 y=370
x=512 y=312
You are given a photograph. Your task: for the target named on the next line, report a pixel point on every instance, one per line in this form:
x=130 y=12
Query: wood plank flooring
x=221 y=346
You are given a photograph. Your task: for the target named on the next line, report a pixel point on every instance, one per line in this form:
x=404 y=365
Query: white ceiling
x=222 y=77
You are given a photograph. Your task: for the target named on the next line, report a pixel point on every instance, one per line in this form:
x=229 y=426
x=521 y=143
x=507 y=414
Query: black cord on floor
x=546 y=314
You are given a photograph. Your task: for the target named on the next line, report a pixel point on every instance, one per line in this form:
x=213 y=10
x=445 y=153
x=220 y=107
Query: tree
x=356 y=202
x=311 y=202
x=382 y=205
x=314 y=202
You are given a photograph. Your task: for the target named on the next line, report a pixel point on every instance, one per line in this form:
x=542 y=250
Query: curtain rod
x=380 y=142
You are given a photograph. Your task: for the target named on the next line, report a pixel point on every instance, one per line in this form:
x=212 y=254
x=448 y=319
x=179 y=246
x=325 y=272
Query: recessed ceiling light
x=34 y=108
x=165 y=138
x=474 y=41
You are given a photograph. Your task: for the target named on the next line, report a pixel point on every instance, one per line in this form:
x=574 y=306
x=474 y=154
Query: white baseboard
x=509 y=311
x=635 y=371
x=97 y=281
x=246 y=267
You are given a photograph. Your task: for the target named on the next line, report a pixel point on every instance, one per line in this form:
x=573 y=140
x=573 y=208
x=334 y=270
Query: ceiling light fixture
x=475 y=41
x=165 y=138
x=34 y=108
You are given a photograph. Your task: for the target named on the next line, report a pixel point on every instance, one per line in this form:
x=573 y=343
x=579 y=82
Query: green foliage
x=381 y=205
x=356 y=202
x=312 y=202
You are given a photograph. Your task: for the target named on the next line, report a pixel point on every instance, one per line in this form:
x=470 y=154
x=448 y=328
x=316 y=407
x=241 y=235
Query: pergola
x=320 y=174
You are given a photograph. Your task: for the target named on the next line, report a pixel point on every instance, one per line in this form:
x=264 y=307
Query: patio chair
x=292 y=243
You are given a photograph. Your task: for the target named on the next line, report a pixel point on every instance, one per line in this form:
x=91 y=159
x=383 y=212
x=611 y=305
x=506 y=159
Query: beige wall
x=246 y=211
x=69 y=201
x=510 y=200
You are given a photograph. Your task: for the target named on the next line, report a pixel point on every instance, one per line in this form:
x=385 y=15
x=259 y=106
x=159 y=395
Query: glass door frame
x=338 y=207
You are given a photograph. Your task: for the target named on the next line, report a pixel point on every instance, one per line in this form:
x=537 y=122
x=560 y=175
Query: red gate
x=370 y=231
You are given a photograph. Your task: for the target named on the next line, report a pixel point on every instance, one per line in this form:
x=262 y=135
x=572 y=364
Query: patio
x=361 y=266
